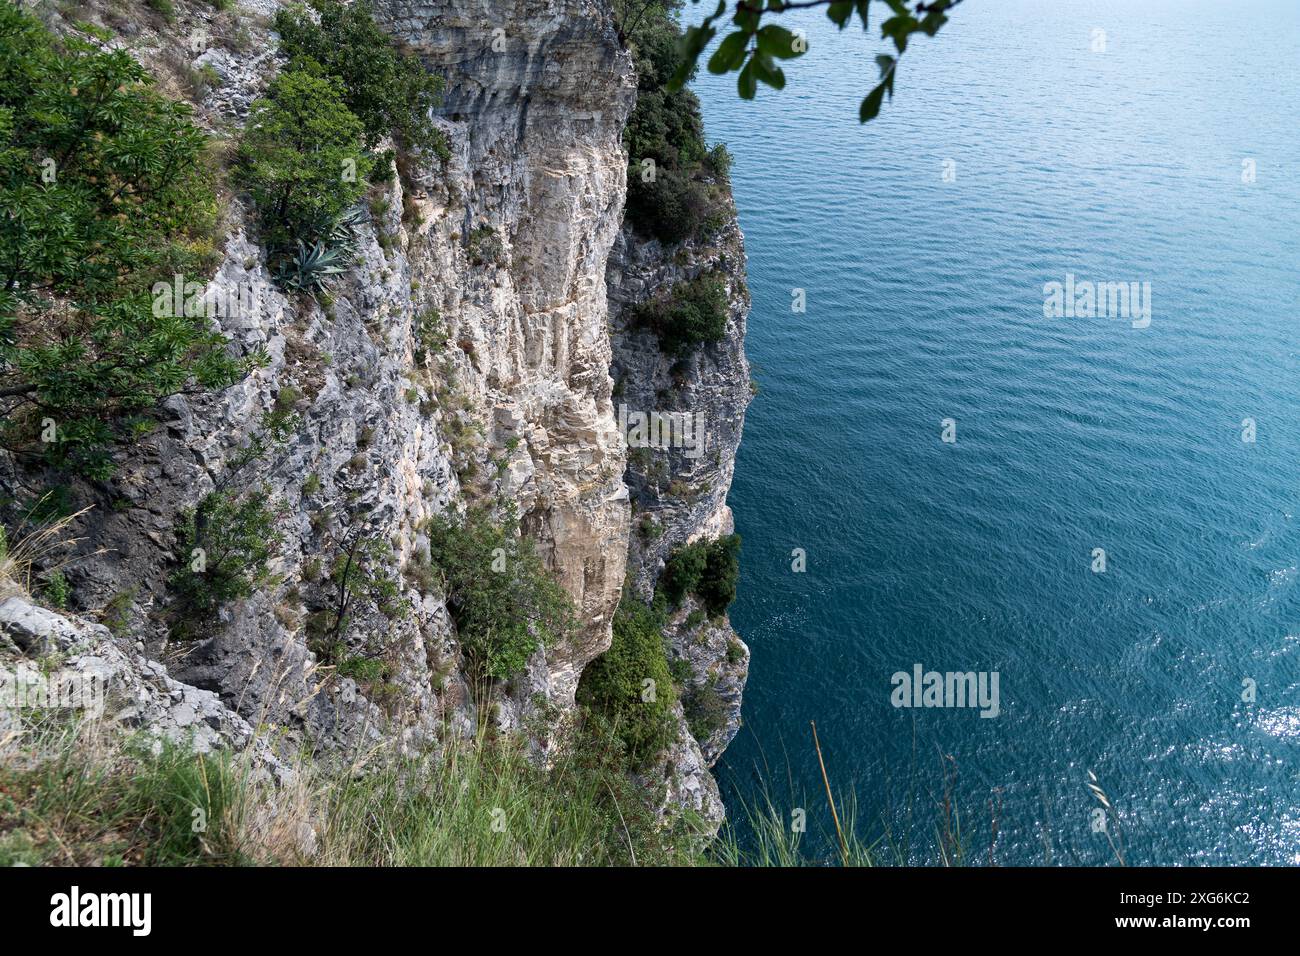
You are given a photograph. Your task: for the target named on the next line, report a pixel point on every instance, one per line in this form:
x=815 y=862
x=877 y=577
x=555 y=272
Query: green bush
x=360 y=575
x=683 y=570
x=630 y=686
x=387 y=88
x=666 y=127
x=227 y=543
x=55 y=589
x=303 y=159
x=707 y=569
x=105 y=189
x=504 y=602
x=671 y=207
x=694 y=314
x=163 y=7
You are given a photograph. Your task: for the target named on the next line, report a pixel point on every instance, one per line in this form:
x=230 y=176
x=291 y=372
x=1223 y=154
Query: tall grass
x=34 y=544
x=775 y=838
x=71 y=793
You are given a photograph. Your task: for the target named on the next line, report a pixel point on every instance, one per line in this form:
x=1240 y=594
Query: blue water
x=925 y=302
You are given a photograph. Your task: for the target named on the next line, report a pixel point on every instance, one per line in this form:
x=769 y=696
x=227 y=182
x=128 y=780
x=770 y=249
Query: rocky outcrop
x=514 y=257
x=679 y=492
x=46 y=656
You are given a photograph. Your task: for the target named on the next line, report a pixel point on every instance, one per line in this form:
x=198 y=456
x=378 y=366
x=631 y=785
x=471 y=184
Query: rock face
x=537 y=97
x=505 y=253
x=679 y=493
x=113 y=682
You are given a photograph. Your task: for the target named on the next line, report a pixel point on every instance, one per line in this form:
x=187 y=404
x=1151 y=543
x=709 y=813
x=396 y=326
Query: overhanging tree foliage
x=753 y=47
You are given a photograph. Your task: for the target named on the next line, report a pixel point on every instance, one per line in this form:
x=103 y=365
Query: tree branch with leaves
x=751 y=50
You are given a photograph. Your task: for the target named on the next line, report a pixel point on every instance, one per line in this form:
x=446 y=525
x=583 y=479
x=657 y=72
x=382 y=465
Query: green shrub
x=365 y=669
x=694 y=314
x=54 y=588
x=706 y=711
x=80 y=796
x=430 y=335
x=670 y=207
x=505 y=604
x=227 y=543
x=360 y=575
x=387 y=88
x=735 y=652
x=683 y=570
x=483 y=246
x=707 y=569
x=163 y=7
x=666 y=127
x=630 y=686
x=717 y=587
x=105 y=189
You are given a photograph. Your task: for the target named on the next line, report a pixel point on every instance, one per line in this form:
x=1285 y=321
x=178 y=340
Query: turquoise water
x=924 y=303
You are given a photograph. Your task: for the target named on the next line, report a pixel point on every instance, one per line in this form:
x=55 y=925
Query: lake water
x=925 y=303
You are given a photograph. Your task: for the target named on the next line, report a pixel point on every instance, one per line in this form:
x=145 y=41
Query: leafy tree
x=302 y=158
x=104 y=187
x=387 y=88
x=753 y=47
x=505 y=604
x=614 y=686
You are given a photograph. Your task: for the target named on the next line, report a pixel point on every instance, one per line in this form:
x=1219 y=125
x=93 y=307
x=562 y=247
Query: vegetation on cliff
x=309 y=147
x=707 y=569
x=385 y=87
x=74 y=793
x=81 y=796
x=675 y=183
x=504 y=602
x=694 y=313
x=630 y=687
x=105 y=186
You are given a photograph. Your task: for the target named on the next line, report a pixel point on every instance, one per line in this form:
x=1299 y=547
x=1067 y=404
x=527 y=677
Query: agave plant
x=330 y=247
x=342 y=231
x=310 y=268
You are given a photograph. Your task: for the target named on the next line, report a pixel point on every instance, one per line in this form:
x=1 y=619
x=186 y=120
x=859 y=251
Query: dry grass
x=46 y=546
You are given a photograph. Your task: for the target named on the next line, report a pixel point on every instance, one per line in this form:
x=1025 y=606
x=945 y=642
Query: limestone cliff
x=513 y=250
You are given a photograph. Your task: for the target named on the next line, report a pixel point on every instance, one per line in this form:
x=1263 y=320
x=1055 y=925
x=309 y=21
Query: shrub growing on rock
x=614 y=686
x=505 y=604
x=675 y=202
x=387 y=88
x=707 y=569
x=694 y=314
x=303 y=159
